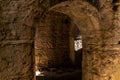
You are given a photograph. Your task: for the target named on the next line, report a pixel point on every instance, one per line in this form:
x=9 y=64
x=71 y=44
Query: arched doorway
x=52 y=43
x=87 y=25
x=86 y=19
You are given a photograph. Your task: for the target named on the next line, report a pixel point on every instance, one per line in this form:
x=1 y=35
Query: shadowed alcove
x=55 y=48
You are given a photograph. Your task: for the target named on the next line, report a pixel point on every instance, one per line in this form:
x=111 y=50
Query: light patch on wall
x=39 y=73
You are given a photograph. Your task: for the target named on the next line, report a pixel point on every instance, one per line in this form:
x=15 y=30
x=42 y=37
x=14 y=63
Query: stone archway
x=17 y=21
x=86 y=18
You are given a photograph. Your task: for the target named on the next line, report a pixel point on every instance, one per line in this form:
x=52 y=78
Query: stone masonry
x=16 y=40
x=49 y=23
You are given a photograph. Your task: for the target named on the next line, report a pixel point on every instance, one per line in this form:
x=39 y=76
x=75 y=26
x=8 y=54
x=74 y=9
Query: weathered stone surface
x=99 y=26
x=16 y=40
x=104 y=41
x=52 y=41
x=16 y=62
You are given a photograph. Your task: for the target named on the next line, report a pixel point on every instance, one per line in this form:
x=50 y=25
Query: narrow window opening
x=77 y=40
x=115 y=5
x=115 y=1
x=118 y=42
x=78 y=49
x=78 y=43
x=115 y=8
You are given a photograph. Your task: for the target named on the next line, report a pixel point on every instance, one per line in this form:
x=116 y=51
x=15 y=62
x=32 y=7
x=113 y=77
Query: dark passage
x=60 y=74
x=71 y=72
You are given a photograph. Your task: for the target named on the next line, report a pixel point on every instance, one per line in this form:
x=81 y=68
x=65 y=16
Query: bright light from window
x=78 y=44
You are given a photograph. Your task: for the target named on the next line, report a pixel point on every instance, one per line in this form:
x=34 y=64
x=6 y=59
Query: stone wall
x=100 y=36
x=106 y=66
x=16 y=40
x=52 y=41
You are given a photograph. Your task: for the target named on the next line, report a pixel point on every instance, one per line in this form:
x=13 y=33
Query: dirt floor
x=60 y=74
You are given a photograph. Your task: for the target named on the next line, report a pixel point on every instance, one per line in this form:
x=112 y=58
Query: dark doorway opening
x=78 y=48
x=63 y=69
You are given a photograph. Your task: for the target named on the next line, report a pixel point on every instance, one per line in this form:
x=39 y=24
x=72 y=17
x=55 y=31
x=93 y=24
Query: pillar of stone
x=106 y=59
x=16 y=40
x=91 y=40
x=114 y=44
